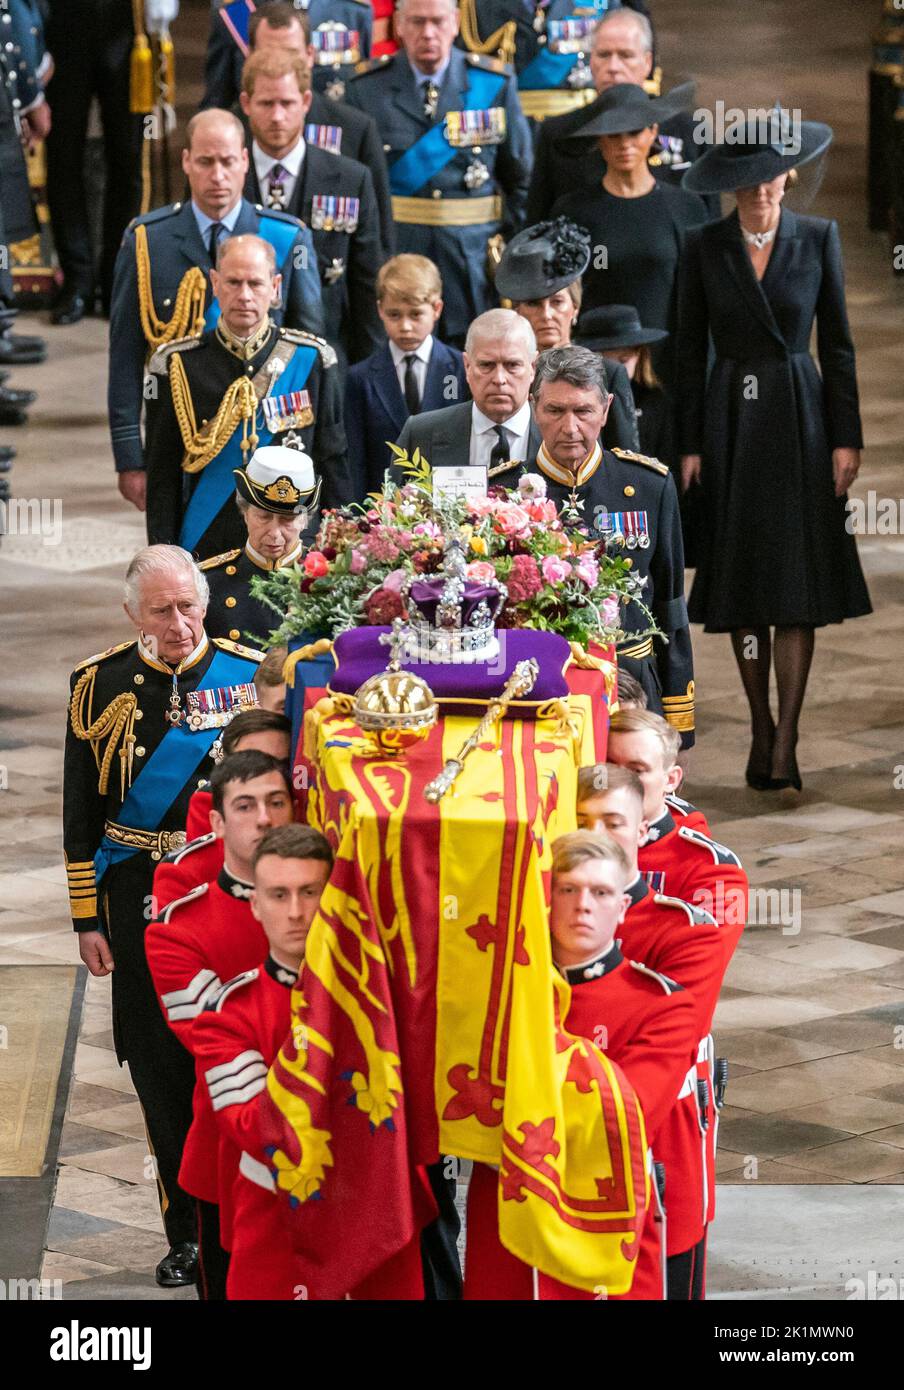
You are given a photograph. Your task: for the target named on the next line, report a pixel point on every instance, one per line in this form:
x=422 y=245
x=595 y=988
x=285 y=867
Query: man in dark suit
x=412 y=373
x=160 y=284
x=622 y=52
x=332 y=195
x=495 y=430
x=331 y=125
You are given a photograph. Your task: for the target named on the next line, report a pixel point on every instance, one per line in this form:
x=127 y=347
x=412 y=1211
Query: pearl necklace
x=759 y=239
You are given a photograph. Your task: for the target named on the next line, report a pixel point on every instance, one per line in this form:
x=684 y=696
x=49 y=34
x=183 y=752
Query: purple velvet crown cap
x=425 y=596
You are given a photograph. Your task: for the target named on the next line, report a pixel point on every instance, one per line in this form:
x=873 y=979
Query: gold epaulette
x=160 y=358
x=370 y=65
x=102 y=656
x=299 y=335
x=219 y=559
x=629 y=454
x=237 y=649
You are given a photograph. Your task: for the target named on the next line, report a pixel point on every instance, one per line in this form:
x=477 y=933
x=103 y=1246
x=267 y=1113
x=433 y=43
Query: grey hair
x=162 y=559
x=241 y=501
x=643 y=24
x=500 y=323
x=246 y=237
x=576 y=365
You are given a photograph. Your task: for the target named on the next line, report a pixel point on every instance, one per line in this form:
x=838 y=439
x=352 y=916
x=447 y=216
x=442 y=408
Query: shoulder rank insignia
x=102 y=656
x=157 y=215
x=298 y=335
x=215 y=560
x=175 y=856
x=670 y=986
x=675 y=803
x=228 y=646
x=629 y=454
x=159 y=363
x=697 y=916
x=230 y=986
x=370 y=65
x=721 y=853
x=483 y=60
x=187 y=898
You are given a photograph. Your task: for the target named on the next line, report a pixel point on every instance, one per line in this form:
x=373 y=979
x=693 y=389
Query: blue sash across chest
x=170 y=766
x=432 y=152
x=215 y=483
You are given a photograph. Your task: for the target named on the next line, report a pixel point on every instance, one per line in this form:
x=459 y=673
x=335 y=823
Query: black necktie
x=430 y=94
x=502 y=447
x=412 y=394
x=213 y=241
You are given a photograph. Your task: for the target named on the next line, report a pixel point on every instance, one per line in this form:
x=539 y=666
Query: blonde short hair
x=607 y=777
x=412 y=279
x=635 y=721
x=586 y=846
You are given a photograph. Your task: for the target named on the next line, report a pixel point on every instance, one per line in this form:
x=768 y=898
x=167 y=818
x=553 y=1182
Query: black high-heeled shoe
x=760 y=781
x=779 y=784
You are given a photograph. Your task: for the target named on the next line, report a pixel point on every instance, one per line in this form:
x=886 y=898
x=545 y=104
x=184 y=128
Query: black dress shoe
x=12 y=415
x=179 y=1267
x=21 y=352
x=7 y=454
x=9 y=395
x=71 y=308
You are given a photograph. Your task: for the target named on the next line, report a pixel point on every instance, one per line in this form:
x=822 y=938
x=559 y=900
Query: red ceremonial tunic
x=681 y=861
x=183 y=869
x=236 y=1042
x=648 y=1026
x=684 y=943
x=202 y=940
x=684 y=813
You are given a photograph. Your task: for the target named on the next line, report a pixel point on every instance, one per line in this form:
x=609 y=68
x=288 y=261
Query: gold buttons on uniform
x=628 y=563
x=437 y=193
x=139 y=714
x=231 y=602
x=230 y=569
x=139 y=679
x=629 y=491
x=139 y=752
x=234 y=634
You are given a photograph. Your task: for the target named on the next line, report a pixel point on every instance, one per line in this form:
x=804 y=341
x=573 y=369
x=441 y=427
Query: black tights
x=790 y=651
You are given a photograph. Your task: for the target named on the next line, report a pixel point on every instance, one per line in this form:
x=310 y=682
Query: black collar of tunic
x=280 y=973
x=604 y=964
x=233 y=887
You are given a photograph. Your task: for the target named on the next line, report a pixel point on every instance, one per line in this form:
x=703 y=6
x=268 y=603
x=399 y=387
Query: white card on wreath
x=469 y=482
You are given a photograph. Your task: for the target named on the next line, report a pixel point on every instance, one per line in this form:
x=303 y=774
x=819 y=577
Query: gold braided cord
x=188 y=315
x=239 y=403
x=117 y=721
x=501 y=41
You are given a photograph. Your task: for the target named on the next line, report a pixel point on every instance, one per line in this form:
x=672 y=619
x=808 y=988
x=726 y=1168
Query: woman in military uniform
x=772 y=442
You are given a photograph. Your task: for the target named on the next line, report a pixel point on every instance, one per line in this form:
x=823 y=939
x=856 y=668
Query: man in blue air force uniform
x=341 y=33
x=161 y=289
x=459 y=152
x=216 y=398
x=143 y=717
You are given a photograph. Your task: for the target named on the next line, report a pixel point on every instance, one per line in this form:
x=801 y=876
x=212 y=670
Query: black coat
x=775 y=549
x=347 y=262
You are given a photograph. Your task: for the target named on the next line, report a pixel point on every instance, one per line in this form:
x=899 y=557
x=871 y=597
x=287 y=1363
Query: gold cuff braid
x=188 y=315
x=117 y=721
x=239 y=403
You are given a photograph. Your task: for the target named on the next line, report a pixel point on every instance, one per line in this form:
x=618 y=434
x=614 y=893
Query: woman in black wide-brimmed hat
x=636 y=224
x=773 y=441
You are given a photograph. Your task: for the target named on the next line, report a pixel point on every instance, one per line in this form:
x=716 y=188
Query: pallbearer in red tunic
x=201 y=859
x=644 y=1022
x=683 y=941
x=202 y=939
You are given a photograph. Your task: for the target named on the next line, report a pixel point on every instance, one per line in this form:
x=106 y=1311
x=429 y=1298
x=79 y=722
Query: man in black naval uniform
x=622 y=51
x=143 y=717
x=217 y=397
x=331 y=125
x=332 y=195
x=627 y=496
x=459 y=151
x=273 y=494
x=161 y=290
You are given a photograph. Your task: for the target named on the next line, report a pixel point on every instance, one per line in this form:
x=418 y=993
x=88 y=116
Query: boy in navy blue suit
x=413 y=372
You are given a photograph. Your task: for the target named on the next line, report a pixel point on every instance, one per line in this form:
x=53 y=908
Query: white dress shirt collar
x=264 y=162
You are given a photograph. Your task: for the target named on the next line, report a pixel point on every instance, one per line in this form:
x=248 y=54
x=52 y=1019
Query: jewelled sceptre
x=520 y=682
